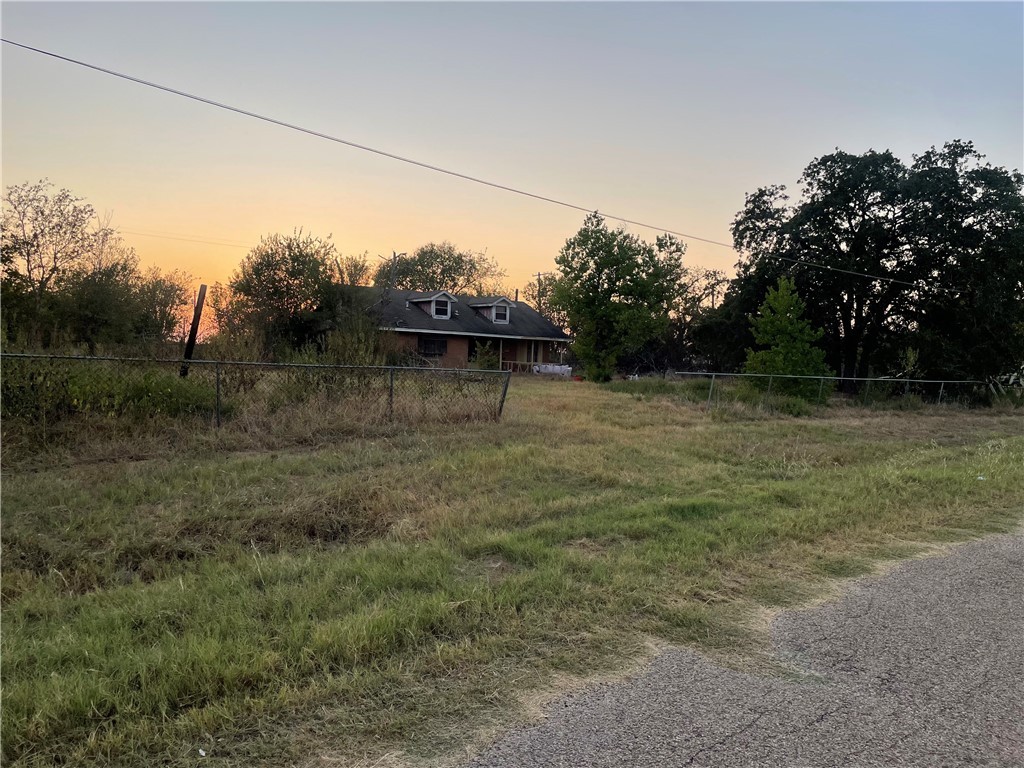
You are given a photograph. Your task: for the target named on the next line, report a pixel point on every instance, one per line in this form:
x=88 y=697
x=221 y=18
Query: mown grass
x=350 y=597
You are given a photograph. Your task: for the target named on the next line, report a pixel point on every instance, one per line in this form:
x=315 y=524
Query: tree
x=279 y=287
x=43 y=235
x=442 y=267
x=160 y=297
x=968 y=218
x=69 y=277
x=539 y=295
x=617 y=292
x=937 y=239
x=355 y=270
x=790 y=340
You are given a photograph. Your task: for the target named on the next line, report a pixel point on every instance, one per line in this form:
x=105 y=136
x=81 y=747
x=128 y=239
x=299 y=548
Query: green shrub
x=55 y=390
x=790 y=339
x=485 y=357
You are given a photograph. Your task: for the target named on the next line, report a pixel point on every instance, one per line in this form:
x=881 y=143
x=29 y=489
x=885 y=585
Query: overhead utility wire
x=183 y=239
x=410 y=161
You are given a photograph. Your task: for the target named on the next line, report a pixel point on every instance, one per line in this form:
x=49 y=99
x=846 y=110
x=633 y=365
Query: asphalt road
x=923 y=666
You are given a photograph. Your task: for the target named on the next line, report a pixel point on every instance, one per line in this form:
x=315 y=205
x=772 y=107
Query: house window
x=442 y=309
x=500 y=313
x=430 y=346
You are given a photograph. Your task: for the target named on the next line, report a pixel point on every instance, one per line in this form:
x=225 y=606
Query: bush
x=485 y=357
x=780 y=326
x=60 y=389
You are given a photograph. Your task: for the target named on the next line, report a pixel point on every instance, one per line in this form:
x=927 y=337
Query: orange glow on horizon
x=211 y=263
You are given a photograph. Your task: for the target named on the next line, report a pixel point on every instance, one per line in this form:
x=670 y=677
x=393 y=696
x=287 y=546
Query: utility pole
x=394 y=261
x=540 y=289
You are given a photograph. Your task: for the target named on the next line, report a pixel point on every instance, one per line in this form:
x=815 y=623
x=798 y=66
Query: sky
x=666 y=113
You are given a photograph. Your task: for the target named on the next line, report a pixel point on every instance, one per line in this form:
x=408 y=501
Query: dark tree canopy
x=941 y=238
x=617 y=292
x=441 y=267
x=293 y=296
x=354 y=270
x=278 y=288
x=68 y=278
x=539 y=294
x=46 y=232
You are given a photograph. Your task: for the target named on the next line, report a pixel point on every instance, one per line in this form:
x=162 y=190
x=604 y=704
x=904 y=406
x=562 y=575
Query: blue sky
x=663 y=112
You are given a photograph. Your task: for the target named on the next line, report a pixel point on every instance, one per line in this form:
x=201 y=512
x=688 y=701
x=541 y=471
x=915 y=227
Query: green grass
x=348 y=596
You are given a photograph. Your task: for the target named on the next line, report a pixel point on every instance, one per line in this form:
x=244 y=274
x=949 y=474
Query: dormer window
x=442 y=309
x=500 y=313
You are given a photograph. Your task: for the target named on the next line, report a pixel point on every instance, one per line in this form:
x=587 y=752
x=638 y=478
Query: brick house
x=447 y=329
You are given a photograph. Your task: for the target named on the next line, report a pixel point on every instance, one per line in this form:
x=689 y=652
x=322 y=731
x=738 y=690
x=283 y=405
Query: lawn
x=356 y=595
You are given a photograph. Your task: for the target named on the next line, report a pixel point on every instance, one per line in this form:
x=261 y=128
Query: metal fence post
x=391 y=394
x=711 y=390
x=942 y=385
x=821 y=389
x=216 y=371
x=504 y=392
x=867 y=390
x=766 y=403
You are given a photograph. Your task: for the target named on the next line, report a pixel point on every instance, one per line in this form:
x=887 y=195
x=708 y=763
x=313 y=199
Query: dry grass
x=315 y=597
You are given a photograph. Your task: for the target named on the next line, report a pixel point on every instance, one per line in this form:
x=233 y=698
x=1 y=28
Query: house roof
x=397 y=312
x=434 y=295
x=489 y=301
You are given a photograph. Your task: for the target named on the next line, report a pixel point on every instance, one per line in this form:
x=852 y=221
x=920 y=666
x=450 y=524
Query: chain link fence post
x=504 y=392
x=711 y=391
x=391 y=394
x=216 y=373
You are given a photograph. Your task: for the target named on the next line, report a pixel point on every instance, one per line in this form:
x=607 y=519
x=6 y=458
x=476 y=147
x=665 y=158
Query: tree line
x=876 y=267
x=897 y=269
x=69 y=278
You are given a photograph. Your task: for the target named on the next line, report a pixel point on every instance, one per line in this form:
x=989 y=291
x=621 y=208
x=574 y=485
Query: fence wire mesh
x=43 y=391
x=767 y=390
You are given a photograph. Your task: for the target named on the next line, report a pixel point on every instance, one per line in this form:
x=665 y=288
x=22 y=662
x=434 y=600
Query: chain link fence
x=42 y=391
x=766 y=390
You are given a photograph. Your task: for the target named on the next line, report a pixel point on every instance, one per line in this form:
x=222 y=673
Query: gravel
x=921 y=667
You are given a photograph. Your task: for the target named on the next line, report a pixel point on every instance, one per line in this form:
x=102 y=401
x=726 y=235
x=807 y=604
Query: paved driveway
x=921 y=667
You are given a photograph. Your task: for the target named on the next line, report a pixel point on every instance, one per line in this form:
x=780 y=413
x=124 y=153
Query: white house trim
x=481 y=335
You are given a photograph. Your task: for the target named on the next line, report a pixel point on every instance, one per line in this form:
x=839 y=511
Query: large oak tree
x=890 y=256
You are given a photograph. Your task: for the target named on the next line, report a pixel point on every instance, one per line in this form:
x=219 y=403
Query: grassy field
x=333 y=600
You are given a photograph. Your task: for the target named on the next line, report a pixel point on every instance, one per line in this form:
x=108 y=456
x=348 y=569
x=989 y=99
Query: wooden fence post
x=190 y=345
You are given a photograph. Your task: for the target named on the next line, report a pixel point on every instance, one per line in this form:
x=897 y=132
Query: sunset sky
x=665 y=113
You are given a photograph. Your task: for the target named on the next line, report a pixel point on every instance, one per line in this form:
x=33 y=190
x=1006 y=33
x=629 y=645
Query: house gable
x=498 y=310
x=438 y=305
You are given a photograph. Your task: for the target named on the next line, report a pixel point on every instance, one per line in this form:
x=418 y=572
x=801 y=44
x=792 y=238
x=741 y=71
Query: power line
x=427 y=166
x=844 y=271
x=346 y=142
x=223 y=244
